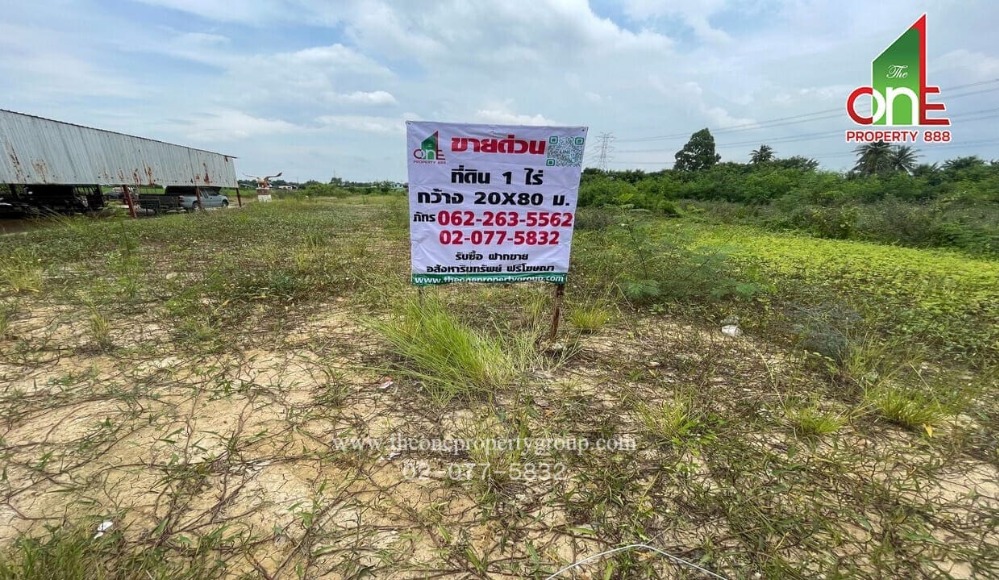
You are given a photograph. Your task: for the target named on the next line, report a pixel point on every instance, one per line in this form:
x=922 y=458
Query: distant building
x=48 y=165
x=43 y=151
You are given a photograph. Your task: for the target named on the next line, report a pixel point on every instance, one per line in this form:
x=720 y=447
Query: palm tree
x=764 y=154
x=962 y=163
x=902 y=158
x=926 y=170
x=874 y=158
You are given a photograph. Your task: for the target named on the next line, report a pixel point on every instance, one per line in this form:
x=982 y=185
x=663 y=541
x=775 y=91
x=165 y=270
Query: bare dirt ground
x=217 y=388
x=178 y=446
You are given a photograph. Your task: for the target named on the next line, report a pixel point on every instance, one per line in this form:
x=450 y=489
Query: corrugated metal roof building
x=34 y=150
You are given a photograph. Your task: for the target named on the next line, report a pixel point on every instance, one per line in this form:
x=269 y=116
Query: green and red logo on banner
x=899 y=94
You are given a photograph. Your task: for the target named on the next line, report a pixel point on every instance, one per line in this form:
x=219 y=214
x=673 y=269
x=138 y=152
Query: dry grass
x=245 y=419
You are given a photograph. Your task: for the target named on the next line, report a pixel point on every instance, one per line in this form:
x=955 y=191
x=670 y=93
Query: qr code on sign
x=565 y=151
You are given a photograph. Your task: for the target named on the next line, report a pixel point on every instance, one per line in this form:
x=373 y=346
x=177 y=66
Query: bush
x=655 y=270
x=957 y=207
x=896 y=222
x=838 y=223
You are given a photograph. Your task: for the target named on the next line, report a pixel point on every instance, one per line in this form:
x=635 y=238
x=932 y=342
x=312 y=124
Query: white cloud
x=379 y=27
x=310 y=78
x=513 y=33
x=501 y=117
x=721 y=118
x=203 y=47
x=363 y=98
x=970 y=66
x=225 y=10
x=313 y=83
x=692 y=96
x=696 y=15
x=230 y=125
x=44 y=64
x=365 y=123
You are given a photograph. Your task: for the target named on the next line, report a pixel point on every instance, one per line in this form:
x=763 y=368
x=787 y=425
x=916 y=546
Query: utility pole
x=605 y=149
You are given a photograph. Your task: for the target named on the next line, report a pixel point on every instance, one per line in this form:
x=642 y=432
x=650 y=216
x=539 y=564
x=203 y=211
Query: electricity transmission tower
x=605 y=149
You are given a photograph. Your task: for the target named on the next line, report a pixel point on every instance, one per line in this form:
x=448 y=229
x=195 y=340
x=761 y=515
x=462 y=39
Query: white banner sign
x=492 y=203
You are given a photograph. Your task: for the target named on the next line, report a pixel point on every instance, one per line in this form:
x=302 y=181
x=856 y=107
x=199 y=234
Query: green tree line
x=887 y=197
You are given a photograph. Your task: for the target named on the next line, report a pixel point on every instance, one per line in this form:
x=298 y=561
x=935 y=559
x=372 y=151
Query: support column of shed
x=127 y=192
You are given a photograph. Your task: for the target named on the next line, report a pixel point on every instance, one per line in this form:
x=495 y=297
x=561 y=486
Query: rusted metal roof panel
x=37 y=150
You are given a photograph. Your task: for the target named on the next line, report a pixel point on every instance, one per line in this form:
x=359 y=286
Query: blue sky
x=317 y=88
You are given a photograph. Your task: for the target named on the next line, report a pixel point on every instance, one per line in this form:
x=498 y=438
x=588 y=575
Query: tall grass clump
x=589 y=317
x=452 y=360
x=671 y=422
x=907 y=408
x=100 y=328
x=7 y=312
x=74 y=553
x=810 y=422
x=21 y=272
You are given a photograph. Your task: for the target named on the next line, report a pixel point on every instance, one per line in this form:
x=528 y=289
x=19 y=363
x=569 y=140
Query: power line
x=938 y=146
x=977 y=115
x=809 y=117
x=967 y=116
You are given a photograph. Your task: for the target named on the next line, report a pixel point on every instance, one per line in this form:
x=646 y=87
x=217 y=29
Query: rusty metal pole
x=128 y=199
x=239 y=198
x=197 y=194
x=556 y=311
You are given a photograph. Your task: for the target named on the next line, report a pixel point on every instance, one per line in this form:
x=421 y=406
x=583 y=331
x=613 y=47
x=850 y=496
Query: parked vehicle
x=118 y=194
x=159 y=203
x=40 y=199
x=210 y=197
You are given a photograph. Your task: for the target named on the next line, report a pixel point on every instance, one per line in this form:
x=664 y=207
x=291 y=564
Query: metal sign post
x=556 y=311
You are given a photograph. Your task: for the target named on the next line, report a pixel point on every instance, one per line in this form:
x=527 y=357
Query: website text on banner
x=492 y=203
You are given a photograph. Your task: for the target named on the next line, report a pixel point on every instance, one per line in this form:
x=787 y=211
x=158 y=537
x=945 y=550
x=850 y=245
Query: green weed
x=316 y=239
x=589 y=317
x=76 y=554
x=496 y=466
x=99 y=327
x=452 y=360
x=810 y=421
x=671 y=422
x=22 y=272
x=7 y=313
x=945 y=302
x=654 y=266
x=908 y=408
x=333 y=388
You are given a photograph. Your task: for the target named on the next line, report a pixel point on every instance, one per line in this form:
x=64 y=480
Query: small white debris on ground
x=731 y=330
x=103 y=527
